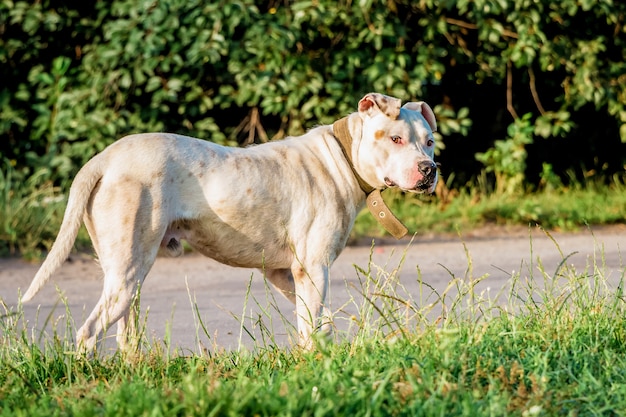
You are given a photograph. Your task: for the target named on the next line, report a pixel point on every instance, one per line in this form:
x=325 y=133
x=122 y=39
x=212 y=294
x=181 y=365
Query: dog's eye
x=430 y=143
x=396 y=139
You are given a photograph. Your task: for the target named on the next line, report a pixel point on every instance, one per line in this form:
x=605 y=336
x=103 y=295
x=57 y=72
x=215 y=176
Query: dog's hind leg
x=127 y=336
x=116 y=305
x=126 y=232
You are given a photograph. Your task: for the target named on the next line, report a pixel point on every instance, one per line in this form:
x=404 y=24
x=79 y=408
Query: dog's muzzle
x=428 y=171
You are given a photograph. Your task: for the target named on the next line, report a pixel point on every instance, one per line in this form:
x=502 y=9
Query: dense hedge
x=501 y=75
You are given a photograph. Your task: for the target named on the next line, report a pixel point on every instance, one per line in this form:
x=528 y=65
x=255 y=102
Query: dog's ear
x=427 y=112
x=374 y=102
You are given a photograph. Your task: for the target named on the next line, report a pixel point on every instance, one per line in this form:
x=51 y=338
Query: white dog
x=286 y=206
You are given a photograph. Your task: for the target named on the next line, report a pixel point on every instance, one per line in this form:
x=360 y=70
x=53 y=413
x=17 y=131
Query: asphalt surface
x=192 y=303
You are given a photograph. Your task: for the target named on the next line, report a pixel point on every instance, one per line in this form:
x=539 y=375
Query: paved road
x=184 y=296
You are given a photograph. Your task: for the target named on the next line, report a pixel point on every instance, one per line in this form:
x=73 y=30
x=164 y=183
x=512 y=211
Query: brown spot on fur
x=282 y=152
x=126 y=221
x=379 y=134
x=298 y=273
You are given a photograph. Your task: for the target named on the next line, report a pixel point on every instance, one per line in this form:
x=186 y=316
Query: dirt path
x=178 y=288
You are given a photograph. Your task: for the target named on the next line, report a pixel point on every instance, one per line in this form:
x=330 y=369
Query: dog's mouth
x=424 y=186
x=421 y=187
x=426 y=178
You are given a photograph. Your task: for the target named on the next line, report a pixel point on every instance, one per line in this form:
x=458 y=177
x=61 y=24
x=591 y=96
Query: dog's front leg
x=311 y=284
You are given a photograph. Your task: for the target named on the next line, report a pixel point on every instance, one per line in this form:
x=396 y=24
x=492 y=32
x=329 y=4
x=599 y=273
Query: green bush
x=77 y=75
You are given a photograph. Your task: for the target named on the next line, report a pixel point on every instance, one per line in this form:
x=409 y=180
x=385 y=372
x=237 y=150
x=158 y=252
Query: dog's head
x=396 y=146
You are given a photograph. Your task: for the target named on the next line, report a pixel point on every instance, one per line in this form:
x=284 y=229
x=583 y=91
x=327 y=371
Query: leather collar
x=375 y=203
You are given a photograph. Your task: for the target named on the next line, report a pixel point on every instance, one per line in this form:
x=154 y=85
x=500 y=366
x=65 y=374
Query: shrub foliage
x=501 y=74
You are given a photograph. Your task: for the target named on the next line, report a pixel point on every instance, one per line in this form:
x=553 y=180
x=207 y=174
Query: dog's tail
x=80 y=192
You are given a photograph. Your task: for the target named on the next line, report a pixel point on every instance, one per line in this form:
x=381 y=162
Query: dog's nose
x=427 y=168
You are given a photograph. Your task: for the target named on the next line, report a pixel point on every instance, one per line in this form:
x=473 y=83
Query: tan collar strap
x=342 y=134
x=374 y=200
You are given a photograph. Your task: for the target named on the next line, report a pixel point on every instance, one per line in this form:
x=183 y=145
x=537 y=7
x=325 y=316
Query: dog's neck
x=374 y=199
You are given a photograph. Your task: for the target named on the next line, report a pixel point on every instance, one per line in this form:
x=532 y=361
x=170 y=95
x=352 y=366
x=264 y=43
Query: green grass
x=553 y=344
x=26 y=210
x=31 y=211
x=566 y=208
x=549 y=344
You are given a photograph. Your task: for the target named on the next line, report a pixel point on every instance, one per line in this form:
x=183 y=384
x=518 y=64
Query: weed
x=549 y=343
x=566 y=208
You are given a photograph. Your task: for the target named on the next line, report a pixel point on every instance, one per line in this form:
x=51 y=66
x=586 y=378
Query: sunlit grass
x=548 y=343
x=566 y=208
